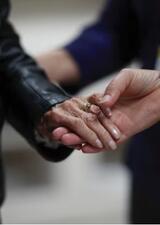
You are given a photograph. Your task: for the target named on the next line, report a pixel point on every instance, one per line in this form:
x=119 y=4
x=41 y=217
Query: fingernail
x=108 y=112
x=99 y=144
x=107 y=98
x=116 y=133
x=112 y=145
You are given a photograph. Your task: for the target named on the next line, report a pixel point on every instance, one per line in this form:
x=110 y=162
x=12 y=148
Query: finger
x=59 y=132
x=91 y=149
x=75 y=124
x=93 y=123
x=116 y=88
x=88 y=148
x=81 y=101
x=86 y=133
x=110 y=126
x=105 y=137
x=97 y=99
x=66 y=137
x=95 y=109
x=71 y=139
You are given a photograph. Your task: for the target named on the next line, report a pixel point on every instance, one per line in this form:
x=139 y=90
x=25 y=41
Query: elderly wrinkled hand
x=81 y=119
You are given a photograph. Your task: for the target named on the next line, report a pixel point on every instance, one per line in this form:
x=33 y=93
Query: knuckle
x=74 y=99
x=126 y=72
x=93 y=98
x=67 y=103
x=90 y=117
x=56 y=116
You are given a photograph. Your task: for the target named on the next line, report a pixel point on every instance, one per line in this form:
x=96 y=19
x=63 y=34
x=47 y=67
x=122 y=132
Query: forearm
x=59 y=66
x=99 y=50
x=107 y=45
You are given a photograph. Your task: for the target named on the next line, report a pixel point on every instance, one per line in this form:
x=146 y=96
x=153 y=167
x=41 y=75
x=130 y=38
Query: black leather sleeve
x=27 y=93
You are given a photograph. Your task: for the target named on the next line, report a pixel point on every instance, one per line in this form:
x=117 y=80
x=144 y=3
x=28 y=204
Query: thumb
x=116 y=88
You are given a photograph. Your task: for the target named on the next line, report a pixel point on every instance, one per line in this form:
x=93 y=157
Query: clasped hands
x=101 y=122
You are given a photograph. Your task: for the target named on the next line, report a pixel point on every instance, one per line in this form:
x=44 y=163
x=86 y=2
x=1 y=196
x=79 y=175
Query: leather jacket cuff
x=34 y=94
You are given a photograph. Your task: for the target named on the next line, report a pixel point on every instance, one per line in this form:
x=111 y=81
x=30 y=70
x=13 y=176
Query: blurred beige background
x=83 y=188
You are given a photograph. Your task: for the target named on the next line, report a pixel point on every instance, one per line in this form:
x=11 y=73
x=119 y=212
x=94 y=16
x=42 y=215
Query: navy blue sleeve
x=108 y=44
